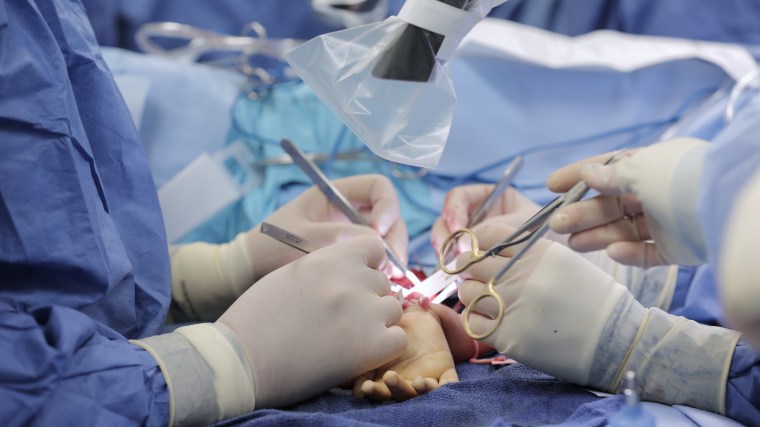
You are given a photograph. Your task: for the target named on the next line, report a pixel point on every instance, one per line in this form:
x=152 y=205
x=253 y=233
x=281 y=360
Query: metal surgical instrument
x=501 y=185
x=527 y=234
x=288 y=238
x=315 y=157
x=443 y=283
x=482 y=210
x=200 y=42
x=339 y=201
x=306 y=246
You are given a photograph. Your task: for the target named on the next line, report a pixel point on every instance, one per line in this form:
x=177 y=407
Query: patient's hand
x=426 y=364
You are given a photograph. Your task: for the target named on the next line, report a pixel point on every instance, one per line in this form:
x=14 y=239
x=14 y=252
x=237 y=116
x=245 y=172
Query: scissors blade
x=339 y=200
x=436 y=282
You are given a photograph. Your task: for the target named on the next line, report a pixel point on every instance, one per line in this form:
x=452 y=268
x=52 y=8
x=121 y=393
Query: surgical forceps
x=306 y=246
x=339 y=201
x=290 y=239
x=482 y=210
x=528 y=234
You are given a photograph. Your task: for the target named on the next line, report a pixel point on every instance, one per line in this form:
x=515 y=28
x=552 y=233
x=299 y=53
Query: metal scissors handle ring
x=475 y=256
x=488 y=292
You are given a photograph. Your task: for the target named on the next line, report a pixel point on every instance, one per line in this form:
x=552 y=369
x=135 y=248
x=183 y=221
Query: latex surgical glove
x=207 y=278
x=426 y=364
x=303 y=329
x=738 y=267
x=512 y=208
x=652 y=287
x=566 y=317
x=651 y=195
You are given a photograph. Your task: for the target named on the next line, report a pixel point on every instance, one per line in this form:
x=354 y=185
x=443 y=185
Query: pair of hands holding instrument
x=564 y=315
x=309 y=323
x=644 y=214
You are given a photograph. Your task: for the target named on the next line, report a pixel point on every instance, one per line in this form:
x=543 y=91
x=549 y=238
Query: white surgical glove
x=207 y=278
x=305 y=328
x=511 y=208
x=566 y=317
x=650 y=195
x=738 y=267
x=652 y=287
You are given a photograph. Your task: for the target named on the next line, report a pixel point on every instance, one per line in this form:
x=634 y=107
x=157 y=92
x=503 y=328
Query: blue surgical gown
x=733 y=155
x=83 y=258
x=732 y=21
x=117 y=21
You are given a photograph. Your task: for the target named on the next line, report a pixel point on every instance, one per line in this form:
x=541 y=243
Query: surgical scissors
x=482 y=210
x=527 y=234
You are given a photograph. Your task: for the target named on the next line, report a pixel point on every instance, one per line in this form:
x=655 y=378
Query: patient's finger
x=450 y=376
x=376 y=390
x=359 y=382
x=400 y=389
x=424 y=385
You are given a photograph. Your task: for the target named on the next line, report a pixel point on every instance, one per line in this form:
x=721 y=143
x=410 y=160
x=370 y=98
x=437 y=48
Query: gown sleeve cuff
x=207 y=373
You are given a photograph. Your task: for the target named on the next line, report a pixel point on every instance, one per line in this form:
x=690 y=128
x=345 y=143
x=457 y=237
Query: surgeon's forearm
x=208 y=278
x=677 y=361
x=652 y=287
x=61 y=367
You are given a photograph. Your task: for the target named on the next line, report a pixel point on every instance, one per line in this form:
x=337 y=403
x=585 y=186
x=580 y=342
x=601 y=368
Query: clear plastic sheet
x=385 y=81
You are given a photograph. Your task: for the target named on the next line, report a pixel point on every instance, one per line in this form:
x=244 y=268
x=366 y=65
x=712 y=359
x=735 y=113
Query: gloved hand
x=512 y=208
x=738 y=269
x=207 y=278
x=301 y=330
x=566 y=317
x=651 y=287
x=649 y=195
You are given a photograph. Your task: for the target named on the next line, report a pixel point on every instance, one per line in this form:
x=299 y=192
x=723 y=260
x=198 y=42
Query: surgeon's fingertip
x=553 y=182
x=383 y=223
x=559 y=222
x=435 y=241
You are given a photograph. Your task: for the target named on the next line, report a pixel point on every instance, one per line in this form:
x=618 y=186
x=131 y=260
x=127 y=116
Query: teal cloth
x=291 y=110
